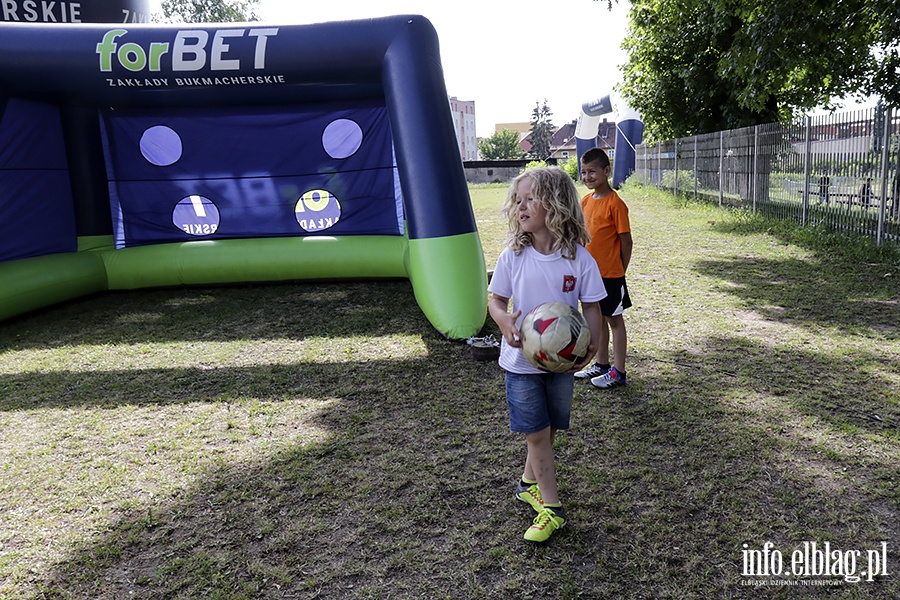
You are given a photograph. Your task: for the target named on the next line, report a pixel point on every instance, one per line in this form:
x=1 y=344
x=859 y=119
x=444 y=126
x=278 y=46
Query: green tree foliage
x=541 y=131
x=699 y=66
x=534 y=164
x=502 y=145
x=886 y=70
x=570 y=166
x=209 y=11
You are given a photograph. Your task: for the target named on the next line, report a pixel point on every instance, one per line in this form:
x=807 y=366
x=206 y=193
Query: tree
x=209 y=11
x=700 y=66
x=502 y=145
x=541 y=131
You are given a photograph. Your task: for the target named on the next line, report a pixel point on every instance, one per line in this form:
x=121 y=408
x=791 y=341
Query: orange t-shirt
x=606 y=218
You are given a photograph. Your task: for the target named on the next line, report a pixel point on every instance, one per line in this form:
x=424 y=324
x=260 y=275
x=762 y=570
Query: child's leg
x=540 y=465
x=619 y=341
x=551 y=515
x=529 y=473
x=603 y=350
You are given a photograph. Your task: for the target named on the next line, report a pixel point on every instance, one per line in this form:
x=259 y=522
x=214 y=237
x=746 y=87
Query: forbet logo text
x=813 y=560
x=190 y=50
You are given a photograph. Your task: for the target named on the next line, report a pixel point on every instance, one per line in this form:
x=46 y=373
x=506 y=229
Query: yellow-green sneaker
x=530 y=495
x=544 y=525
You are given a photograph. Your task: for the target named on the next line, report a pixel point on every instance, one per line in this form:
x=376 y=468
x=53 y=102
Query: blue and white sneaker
x=609 y=380
x=594 y=370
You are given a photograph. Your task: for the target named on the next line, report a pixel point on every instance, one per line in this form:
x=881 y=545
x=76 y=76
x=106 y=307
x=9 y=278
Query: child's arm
x=627 y=245
x=594 y=318
x=498 y=306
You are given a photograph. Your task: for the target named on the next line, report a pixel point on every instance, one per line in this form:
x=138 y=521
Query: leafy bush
x=685 y=181
x=570 y=166
x=534 y=165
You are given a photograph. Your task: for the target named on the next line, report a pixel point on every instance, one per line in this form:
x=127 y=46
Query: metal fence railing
x=841 y=170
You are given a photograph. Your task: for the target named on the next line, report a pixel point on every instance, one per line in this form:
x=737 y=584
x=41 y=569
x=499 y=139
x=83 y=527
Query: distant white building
x=463 y=112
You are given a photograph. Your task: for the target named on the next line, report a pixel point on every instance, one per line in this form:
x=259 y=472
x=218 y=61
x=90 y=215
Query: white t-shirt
x=531 y=278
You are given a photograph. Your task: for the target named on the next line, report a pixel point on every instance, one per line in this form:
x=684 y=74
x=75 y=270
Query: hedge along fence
x=841 y=170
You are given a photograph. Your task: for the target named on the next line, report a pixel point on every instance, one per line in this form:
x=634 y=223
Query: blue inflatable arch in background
x=629 y=133
x=135 y=156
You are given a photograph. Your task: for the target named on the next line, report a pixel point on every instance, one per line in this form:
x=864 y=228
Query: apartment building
x=463 y=112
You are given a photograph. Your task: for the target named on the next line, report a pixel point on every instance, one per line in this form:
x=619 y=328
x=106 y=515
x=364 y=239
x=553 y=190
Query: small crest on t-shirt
x=569 y=283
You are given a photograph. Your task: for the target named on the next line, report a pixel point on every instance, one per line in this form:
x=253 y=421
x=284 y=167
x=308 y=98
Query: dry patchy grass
x=322 y=441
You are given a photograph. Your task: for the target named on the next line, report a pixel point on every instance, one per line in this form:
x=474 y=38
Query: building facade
x=463 y=112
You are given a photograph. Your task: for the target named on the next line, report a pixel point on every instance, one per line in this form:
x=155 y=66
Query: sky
x=506 y=55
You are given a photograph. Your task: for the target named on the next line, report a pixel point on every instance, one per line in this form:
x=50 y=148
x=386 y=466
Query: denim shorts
x=539 y=401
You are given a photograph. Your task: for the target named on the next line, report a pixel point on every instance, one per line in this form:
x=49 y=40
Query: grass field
x=324 y=441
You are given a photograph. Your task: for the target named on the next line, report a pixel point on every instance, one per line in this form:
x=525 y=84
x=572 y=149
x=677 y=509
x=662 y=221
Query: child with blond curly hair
x=545 y=261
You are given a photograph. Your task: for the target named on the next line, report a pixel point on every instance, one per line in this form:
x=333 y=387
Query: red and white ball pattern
x=555 y=337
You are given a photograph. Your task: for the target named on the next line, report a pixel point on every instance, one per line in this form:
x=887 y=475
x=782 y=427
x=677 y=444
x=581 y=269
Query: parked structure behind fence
x=841 y=170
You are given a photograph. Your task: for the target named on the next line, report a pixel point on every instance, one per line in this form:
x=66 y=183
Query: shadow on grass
x=406 y=490
x=847 y=296
x=410 y=496
x=702 y=454
x=371 y=506
x=204 y=315
x=161 y=387
x=250 y=312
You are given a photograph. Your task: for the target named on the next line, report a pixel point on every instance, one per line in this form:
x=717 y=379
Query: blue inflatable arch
x=135 y=156
x=629 y=133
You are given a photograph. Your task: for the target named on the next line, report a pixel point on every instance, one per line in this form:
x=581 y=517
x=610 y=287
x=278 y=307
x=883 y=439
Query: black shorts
x=617 y=298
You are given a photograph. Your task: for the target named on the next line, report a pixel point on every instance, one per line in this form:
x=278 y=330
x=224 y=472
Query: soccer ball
x=555 y=337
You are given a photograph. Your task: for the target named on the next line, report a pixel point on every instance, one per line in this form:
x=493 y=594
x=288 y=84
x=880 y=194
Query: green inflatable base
x=32 y=283
x=447 y=274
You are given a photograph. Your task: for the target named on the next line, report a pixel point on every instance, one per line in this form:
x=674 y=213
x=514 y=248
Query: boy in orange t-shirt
x=606 y=217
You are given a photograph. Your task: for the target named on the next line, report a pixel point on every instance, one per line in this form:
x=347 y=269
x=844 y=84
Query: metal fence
x=841 y=170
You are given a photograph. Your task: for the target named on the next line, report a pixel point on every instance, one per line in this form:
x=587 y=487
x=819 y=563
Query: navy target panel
x=216 y=173
x=240 y=152
x=37 y=216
